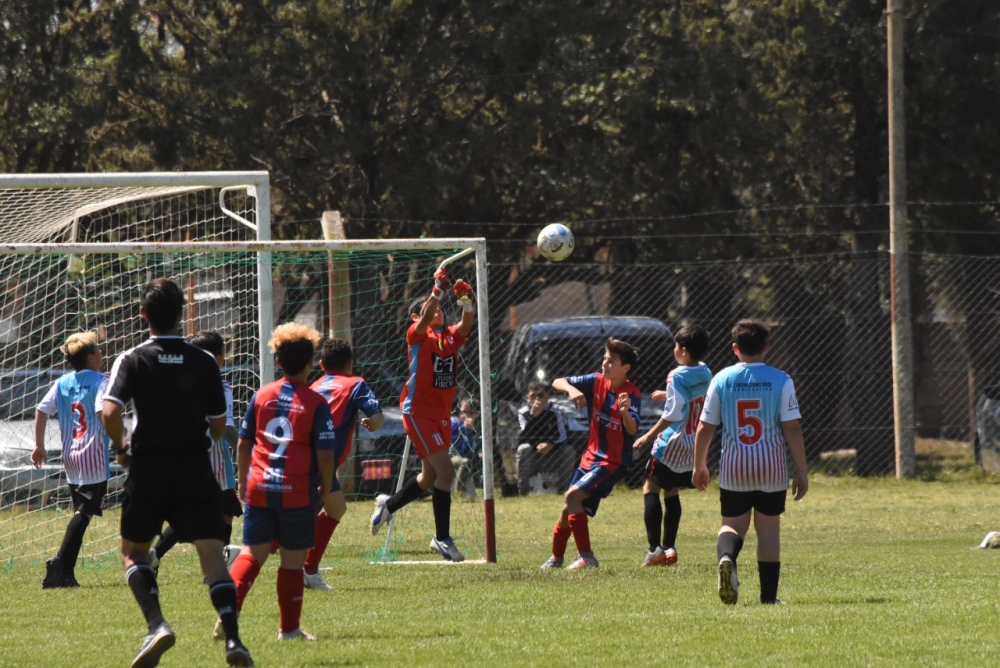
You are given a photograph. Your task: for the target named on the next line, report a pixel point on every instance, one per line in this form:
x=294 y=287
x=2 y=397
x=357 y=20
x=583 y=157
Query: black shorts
x=667 y=478
x=735 y=504
x=89 y=499
x=181 y=492
x=231 y=505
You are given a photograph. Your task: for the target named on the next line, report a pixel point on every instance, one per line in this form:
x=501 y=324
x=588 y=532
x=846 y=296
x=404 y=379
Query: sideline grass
x=874 y=572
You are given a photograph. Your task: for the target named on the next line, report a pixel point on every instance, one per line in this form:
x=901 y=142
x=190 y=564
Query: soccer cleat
x=776 y=601
x=553 y=562
x=446 y=548
x=729 y=584
x=69 y=580
x=229 y=554
x=315 y=581
x=297 y=634
x=218 y=633
x=671 y=555
x=153 y=561
x=237 y=654
x=583 y=560
x=655 y=558
x=156 y=642
x=53 y=574
x=381 y=514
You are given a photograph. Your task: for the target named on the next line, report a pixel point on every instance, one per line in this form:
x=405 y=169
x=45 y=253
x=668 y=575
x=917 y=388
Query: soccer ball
x=555 y=242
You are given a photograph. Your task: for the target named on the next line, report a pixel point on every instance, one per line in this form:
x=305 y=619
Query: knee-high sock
x=441 y=500
x=560 y=537
x=652 y=515
x=729 y=545
x=72 y=541
x=581 y=531
x=409 y=492
x=223 y=595
x=244 y=571
x=290 y=587
x=671 y=520
x=142 y=581
x=167 y=540
x=770 y=573
x=325 y=526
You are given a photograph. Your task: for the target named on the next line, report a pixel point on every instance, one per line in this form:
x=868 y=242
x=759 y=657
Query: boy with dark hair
x=426 y=401
x=612 y=402
x=541 y=439
x=759 y=413
x=77 y=397
x=672 y=458
x=465 y=446
x=174 y=389
x=345 y=394
x=287 y=458
x=220 y=455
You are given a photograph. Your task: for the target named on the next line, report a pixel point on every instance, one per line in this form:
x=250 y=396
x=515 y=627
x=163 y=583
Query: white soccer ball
x=555 y=242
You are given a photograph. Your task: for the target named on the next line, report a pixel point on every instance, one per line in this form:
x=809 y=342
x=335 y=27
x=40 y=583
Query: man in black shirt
x=178 y=402
x=542 y=440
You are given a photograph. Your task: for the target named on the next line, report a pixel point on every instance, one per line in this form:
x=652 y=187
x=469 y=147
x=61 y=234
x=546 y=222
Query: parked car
x=574 y=346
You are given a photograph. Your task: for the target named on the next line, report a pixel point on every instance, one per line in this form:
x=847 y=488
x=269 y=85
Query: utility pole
x=899 y=253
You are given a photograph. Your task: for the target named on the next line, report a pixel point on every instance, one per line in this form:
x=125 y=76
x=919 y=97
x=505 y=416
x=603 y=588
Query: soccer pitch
x=874 y=572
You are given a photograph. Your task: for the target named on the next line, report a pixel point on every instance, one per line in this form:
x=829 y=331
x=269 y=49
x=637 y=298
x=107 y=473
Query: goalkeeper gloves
x=441 y=283
x=464 y=293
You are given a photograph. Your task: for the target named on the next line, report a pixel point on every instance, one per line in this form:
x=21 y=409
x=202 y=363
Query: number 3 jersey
x=288 y=422
x=433 y=365
x=751 y=401
x=686 y=388
x=77 y=397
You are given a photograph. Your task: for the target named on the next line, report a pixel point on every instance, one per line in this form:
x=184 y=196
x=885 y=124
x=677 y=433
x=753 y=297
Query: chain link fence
x=830 y=318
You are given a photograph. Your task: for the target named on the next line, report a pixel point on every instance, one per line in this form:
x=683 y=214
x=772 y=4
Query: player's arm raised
x=465 y=299
x=575 y=396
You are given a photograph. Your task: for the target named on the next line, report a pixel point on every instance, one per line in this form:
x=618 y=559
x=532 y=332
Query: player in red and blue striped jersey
x=432 y=351
x=759 y=413
x=345 y=394
x=286 y=459
x=77 y=398
x=612 y=402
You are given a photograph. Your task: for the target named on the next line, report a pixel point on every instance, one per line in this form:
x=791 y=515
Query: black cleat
x=156 y=642
x=237 y=654
x=54 y=577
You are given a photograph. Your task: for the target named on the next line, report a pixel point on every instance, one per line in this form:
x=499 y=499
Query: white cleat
x=381 y=514
x=446 y=548
x=315 y=581
x=584 y=560
x=297 y=634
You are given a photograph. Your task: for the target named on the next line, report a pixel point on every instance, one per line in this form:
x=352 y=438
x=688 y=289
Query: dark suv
x=575 y=346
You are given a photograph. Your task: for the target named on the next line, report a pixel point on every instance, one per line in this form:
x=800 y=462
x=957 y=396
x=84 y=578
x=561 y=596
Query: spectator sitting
x=542 y=440
x=465 y=446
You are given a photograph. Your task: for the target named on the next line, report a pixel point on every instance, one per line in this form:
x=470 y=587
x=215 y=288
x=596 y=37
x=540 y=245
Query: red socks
x=560 y=536
x=325 y=526
x=290 y=588
x=581 y=531
x=244 y=571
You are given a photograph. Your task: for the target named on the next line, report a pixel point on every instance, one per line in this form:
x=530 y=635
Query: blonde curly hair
x=294 y=345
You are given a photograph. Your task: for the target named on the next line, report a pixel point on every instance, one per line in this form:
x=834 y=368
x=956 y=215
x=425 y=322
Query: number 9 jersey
x=751 y=401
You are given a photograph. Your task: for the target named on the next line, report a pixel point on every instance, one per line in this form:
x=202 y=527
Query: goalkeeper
x=432 y=355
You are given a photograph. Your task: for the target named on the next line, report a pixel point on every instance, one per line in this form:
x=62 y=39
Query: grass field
x=874 y=573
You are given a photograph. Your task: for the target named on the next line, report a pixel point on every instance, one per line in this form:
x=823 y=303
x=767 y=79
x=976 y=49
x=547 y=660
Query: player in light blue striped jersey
x=672 y=457
x=76 y=398
x=759 y=413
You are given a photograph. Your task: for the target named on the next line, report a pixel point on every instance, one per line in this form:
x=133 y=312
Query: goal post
x=95 y=286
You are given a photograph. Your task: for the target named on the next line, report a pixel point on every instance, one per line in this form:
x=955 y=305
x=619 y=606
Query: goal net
x=74 y=257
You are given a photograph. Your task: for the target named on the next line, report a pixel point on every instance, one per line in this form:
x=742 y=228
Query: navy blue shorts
x=295 y=528
x=597 y=481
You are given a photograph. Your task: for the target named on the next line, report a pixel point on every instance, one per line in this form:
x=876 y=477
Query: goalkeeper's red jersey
x=433 y=364
x=288 y=422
